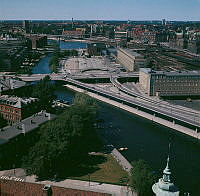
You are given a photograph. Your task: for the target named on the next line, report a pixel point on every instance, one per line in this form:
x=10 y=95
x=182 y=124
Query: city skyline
x=183 y=10
x=92 y=92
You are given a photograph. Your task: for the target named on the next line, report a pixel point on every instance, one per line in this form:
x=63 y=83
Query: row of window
x=174 y=81
x=176 y=77
x=178 y=85
x=193 y=90
x=11 y=117
x=8 y=109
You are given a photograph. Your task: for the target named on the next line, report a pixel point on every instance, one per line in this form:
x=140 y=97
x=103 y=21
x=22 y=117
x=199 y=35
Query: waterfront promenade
x=172 y=125
x=121 y=160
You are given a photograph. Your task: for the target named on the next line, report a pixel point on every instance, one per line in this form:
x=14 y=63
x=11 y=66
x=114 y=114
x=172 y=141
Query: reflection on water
x=43 y=66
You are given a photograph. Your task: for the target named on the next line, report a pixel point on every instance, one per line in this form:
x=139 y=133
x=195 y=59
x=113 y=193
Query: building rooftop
x=171 y=73
x=10 y=83
x=130 y=52
x=24 y=126
x=16 y=102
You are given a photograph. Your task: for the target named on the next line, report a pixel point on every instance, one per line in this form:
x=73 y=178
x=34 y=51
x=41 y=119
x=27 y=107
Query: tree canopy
x=44 y=91
x=54 y=62
x=64 y=142
x=142 y=178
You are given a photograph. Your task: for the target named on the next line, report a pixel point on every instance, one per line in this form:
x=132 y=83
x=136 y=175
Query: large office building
x=162 y=83
x=130 y=59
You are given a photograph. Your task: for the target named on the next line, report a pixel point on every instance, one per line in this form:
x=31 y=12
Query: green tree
x=64 y=142
x=44 y=91
x=54 y=61
x=142 y=178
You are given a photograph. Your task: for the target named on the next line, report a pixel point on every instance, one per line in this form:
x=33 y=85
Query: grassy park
x=108 y=171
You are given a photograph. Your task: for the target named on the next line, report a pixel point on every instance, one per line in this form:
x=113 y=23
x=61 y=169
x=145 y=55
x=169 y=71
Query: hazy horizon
x=143 y=10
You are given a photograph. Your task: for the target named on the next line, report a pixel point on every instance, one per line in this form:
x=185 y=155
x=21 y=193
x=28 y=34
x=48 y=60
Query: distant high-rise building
x=163 y=22
x=72 y=23
x=26 y=26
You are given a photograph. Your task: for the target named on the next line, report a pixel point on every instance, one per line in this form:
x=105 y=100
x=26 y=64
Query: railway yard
x=171 y=60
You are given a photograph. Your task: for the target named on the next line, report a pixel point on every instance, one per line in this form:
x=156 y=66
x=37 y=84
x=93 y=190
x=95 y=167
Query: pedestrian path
x=115 y=190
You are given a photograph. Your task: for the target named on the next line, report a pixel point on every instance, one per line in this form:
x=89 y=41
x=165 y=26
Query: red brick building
x=15 y=188
x=11 y=108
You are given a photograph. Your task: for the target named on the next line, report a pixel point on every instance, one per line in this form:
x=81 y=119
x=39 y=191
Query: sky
x=100 y=9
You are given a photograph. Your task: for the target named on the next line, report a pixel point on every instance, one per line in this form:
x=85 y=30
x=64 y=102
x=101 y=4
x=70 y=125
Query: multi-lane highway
x=36 y=77
x=176 y=112
x=129 y=97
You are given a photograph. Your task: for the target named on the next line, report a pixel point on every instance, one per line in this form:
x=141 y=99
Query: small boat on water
x=123 y=149
x=189 y=100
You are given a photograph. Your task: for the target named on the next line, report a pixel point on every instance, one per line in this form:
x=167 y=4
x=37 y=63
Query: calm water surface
x=146 y=140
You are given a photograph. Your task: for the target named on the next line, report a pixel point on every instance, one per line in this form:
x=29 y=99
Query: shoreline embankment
x=172 y=125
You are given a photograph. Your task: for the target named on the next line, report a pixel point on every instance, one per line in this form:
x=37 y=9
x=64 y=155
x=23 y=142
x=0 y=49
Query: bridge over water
x=176 y=115
x=36 y=77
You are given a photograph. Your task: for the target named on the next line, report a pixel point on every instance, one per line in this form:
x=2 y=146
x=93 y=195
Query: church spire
x=165 y=186
x=167 y=171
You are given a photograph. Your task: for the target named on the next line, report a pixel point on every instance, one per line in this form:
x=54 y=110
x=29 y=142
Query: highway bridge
x=53 y=76
x=185 y=117
x=176 y=114
x=161 y=107
x=81 y=38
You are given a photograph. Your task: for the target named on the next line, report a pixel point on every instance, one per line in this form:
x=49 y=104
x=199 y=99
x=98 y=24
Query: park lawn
x=109 y=172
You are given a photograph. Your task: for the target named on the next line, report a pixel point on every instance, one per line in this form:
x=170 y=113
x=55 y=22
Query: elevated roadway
x=36 y=77
x=172 y=111
x=177 y=114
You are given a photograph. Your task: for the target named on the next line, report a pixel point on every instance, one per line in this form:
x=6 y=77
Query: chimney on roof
x=23 y=129
x=72 y=23
x=11 y=84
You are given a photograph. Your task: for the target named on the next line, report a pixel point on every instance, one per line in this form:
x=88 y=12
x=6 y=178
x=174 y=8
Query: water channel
x=144 y=139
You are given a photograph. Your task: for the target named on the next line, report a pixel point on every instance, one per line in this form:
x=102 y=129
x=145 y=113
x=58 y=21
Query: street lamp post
x=14 y=169
x=89 y=179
